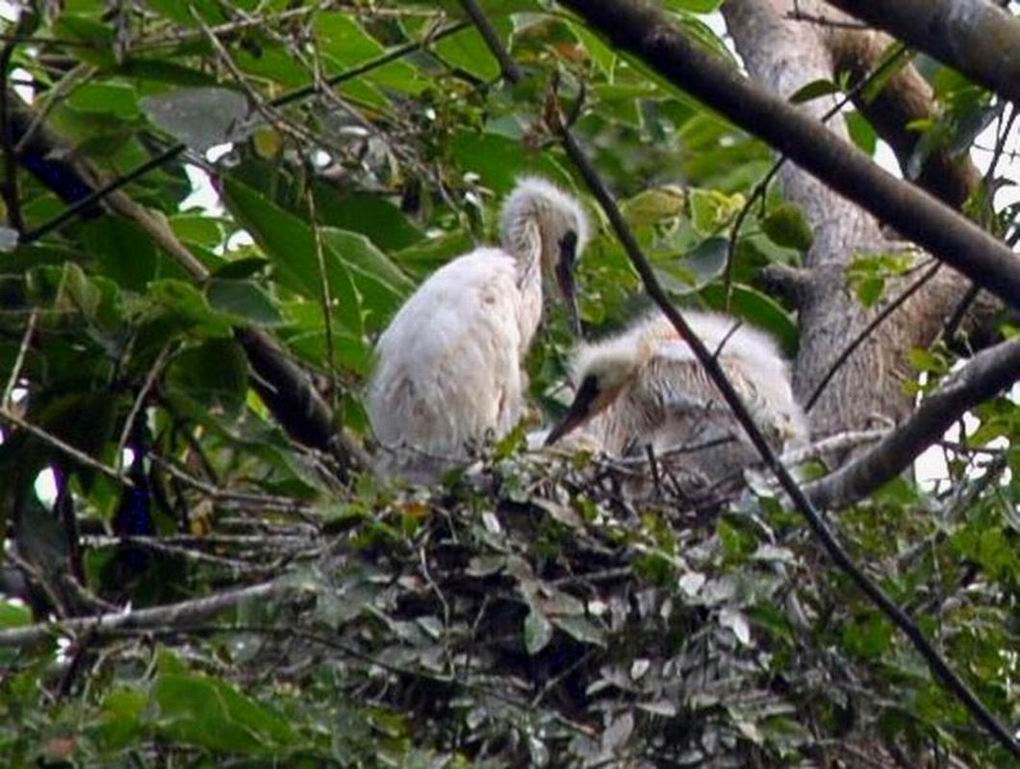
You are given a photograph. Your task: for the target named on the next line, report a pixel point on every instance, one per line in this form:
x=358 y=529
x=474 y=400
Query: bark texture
x=905 y=98
x=974 y=36
x=783 y=55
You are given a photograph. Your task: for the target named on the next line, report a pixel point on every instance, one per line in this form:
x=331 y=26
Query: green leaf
x=787 y=226
x=468 y=51
x=243 y=299
x=703 y=263
x=500 y=161
x=123 y=252
x=711 y=210
x=180 y=13
x=213 y=714
x=373 y=216
x=693 y=6
x=654 y=205
x=814 y=90
x=214 y=374
x=185 y=307
x=122 y=718
x=119 y=100
x=870 y=637
x=603 y=55
x=290 y=245
x=380 y=283
x=538 y=631
x=77 y=293
x=581 y=629
x=165 y=72
x=760 y=310
x=239 y=269
x=14 y=615
x=342 y=39
x=861 y=132
x=868 y=273
x=97 y=37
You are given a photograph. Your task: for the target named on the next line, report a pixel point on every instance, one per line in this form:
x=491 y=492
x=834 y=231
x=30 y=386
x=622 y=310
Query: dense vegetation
x=525 y=611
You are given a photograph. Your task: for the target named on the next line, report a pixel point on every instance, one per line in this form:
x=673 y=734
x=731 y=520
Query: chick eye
x=589 y=387
x=568 y=246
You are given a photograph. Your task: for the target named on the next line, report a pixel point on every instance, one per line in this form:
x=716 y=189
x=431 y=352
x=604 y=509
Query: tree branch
x=177 y=614
x=642 y=30
x=988 y=373
x=974 y=36
x=905 y=99
x=64 y=448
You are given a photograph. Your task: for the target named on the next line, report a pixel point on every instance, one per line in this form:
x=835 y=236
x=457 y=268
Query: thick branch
x=974 y=36
x=987 y=374
x=646 y=32
x=907 y=97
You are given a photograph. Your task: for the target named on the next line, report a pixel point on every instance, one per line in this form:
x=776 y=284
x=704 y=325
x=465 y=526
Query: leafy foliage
x=524 y=613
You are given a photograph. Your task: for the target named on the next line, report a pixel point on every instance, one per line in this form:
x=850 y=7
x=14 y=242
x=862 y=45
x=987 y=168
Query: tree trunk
x=784 y=55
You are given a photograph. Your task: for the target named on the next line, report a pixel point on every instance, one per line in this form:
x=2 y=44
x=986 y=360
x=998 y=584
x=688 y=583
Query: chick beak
x=565 y=278
x=578 y=413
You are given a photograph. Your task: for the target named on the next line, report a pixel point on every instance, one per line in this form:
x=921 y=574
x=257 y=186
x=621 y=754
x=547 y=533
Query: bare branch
x=64 y=447
x=176 y=615
x=19 y=361
x=987 y=374
x=143 y=393
x=894 y=304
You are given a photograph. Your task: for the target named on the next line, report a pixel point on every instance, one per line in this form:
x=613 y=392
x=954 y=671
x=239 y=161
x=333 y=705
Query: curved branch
x=987 y=374
x=974 y=36
x=644 y=31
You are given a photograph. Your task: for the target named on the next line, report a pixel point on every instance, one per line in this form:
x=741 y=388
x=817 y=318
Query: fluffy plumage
x=448 y=369
x=645 y=387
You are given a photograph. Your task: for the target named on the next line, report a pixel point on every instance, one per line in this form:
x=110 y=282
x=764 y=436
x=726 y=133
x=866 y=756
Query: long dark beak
x=565 y=278
x=577 y=414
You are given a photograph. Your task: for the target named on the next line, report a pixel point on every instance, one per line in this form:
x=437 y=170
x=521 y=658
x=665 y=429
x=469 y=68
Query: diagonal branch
x=642 y=30
x=177 y=614
x=936 y=662
x=988 y=373
x=63 y=447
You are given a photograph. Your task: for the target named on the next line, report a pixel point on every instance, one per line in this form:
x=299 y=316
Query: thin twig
x=64 y=448
x=150 y=379
x=174 y=615
x=866 y=332
x=261 y=501
x=19 y=361
x=327 y=298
